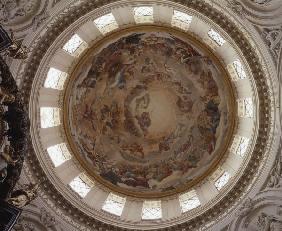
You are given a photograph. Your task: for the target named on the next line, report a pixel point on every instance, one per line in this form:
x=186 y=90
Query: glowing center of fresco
x=154 y=113
x=148 y=113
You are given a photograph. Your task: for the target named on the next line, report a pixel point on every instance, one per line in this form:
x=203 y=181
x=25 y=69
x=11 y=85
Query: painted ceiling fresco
x=148 y=112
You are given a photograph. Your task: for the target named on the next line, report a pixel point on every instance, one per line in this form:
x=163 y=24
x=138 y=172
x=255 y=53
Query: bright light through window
x=55 y=79
x=151 y=210
x=73 y=44
x=49 y=116
x=240 y=145
x=143 y=14
x=106 y=23
x=80 y=186
x=245 y=107
x=189 y=201
x=248 y=107
x=236 y=70
x=181 y=20
x=114 y=204
x=58 y=153
x=216 y=37
x=239 y=69
x=222 y=180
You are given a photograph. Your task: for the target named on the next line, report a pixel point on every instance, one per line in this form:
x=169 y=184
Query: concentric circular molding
x=146 y=29
x=173 y=201
x=264 y=95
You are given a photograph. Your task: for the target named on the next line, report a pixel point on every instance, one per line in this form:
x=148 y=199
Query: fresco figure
x=148 y=112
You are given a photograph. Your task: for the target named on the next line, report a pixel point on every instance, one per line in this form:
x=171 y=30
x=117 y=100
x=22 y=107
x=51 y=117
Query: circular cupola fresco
x=149 y=111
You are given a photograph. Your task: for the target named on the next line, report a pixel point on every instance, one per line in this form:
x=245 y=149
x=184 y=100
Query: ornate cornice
x=265 y=117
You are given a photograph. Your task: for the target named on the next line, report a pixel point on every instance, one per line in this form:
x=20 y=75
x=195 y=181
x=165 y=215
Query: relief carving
x=246 y=207
x=269 y=222
x=47 y=219
x=244 y=210
x=34 y=217
x=274 y=180
x=22 y=225
x=262 y=213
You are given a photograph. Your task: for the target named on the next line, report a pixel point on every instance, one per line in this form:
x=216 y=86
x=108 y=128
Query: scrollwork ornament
x=273 y=37
x=246 y=207
x=274 y=180
x=269 y=222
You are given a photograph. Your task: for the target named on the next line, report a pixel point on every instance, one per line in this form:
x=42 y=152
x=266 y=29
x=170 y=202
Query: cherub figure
x=23 y=197
x=6 y=155
x=6 y=98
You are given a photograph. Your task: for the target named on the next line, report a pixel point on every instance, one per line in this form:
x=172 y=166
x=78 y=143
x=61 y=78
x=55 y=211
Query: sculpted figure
x=275 y=176
x=3 y=164
x=3 y=171
x=6 y=155
x=18 y=123
x=23 y=197
x=6 y=98
x=17 y=51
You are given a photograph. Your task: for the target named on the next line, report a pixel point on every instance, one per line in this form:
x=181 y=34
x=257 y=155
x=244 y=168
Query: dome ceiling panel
x=146 y=96
x=150 y=115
